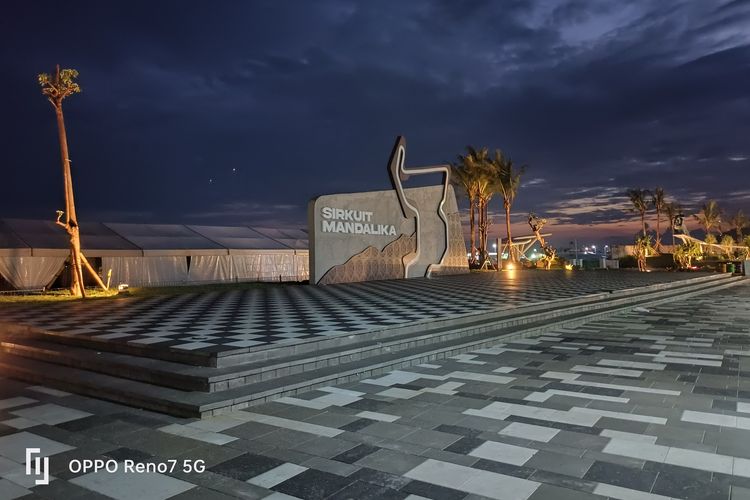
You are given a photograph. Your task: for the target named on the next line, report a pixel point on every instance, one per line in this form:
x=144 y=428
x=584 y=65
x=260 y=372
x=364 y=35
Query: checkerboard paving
x=223 y=321
x=647 y=404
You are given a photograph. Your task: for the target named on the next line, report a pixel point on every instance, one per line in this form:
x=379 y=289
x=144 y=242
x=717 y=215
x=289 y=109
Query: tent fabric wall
x=155 y=271
x=302 y=265
x=146 y=271
x=246 y=267
x=277 y=266
x=154 y=254
x=210 y=268
x=30 y=273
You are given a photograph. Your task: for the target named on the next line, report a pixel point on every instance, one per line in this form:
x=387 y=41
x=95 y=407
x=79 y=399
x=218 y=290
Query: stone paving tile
x=332 y=466
x=390 y=461
x=356 y=453
x=618 y=475
x=379 y=478
x=548 y=491
x=564 y=447
x=562 y=464
x=687 y=483
x=433 y=491
x=365 y=491
x=314 y=484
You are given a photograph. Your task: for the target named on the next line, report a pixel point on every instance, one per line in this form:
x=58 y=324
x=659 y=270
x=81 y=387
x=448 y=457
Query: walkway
x=642 y=405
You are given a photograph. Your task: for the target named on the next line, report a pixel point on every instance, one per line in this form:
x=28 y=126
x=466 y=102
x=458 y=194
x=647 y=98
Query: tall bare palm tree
x=56 y=88
x=739 y=222
x=659 y=203
x=508 y=182
x=640 y=200
x=709 y=216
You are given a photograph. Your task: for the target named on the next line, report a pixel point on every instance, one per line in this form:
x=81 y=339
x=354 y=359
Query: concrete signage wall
x=399 y=233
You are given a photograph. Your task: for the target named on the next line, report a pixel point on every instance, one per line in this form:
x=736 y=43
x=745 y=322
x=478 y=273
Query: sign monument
x=400 y=233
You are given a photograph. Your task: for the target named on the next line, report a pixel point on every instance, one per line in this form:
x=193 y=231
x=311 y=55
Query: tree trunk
x=77 y=267
x=486 y=228
x=511 y=257
x=643 y=222
x=658 y=230
x=481 y=230
x=71 y=221
x=473 y=227
x=93 y=273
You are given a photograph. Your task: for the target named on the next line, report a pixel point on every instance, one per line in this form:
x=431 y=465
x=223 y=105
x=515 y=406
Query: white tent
x=165 y=249
x=33 y=252
x=296 y=239
x=44 y=248
x=20 y=267
x=251 y=256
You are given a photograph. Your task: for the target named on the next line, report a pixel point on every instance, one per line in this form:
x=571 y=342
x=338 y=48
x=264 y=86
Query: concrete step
x=188 y=377
x=150 y=370
x=199 y=403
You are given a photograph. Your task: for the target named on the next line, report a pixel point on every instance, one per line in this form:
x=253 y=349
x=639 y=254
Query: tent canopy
x=166 y=239
x=291 y=238
x=44 y=238
x=238 y=239
x=11 y=244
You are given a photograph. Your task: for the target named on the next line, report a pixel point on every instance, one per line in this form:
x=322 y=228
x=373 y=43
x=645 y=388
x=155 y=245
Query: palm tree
x=466 y=178
x=475 y=181
x=671 y=210
x=56 y=88
x=739 y=222
x=485 y=190
x=508 y=181
x=485 y=195
x=659 y=203
x=709 y=216
x=639 y=198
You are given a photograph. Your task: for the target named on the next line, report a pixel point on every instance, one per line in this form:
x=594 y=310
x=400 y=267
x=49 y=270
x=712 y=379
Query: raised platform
x=201 y=354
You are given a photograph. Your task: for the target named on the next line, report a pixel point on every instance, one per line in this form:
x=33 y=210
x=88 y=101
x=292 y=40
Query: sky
x=234 y=112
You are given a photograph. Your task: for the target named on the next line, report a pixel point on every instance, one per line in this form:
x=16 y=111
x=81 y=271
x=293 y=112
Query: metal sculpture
x=550 y=253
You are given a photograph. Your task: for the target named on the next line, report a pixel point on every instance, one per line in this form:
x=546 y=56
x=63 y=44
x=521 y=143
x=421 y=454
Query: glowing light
x=568 y=267
x=509 y=267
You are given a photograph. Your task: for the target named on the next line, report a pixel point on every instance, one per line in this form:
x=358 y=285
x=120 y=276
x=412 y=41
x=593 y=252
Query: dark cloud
x=239 y=112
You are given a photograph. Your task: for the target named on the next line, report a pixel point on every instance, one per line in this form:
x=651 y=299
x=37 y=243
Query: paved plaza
x=648 y=404
x=245 y=319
